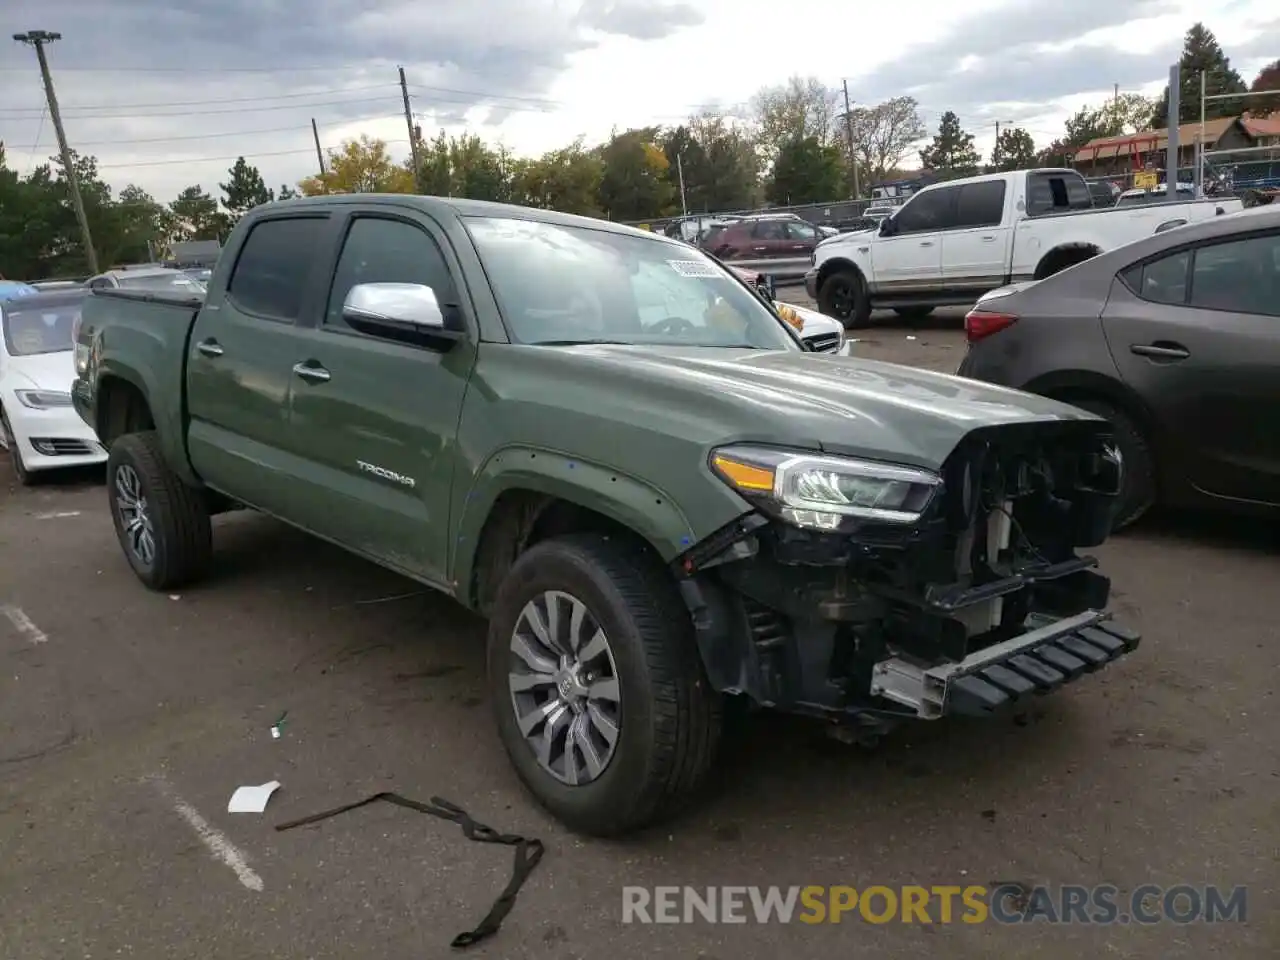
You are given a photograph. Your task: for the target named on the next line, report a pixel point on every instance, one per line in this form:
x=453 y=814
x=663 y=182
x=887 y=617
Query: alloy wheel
x=135 y=515
x=564 y=687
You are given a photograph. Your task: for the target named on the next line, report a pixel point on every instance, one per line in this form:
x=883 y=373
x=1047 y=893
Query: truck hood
x=838 y=404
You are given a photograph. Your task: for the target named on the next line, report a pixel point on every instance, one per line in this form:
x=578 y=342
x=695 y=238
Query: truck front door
x=376 y=418
x=239 y=356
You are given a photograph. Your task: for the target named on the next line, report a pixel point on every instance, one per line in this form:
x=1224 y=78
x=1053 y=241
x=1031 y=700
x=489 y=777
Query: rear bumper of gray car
x=1049 y=655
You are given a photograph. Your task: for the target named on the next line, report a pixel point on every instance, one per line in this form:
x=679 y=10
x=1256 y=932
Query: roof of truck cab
x=462 y=208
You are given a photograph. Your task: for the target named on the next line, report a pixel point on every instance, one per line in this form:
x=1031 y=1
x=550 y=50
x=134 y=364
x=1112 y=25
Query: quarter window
x=1160 y=281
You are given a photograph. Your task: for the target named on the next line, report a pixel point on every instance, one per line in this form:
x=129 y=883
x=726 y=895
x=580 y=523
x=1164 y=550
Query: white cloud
x=537 y=73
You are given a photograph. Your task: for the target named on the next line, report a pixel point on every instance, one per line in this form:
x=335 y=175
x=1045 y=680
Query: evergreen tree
x=1201 y=51
x=952 y=153
x=244 y=190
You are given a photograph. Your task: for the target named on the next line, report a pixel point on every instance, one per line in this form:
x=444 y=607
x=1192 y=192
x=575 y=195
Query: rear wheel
x=25 y=476
x=843 y=296
x=597 y=687
x=1139 y=493
x=162 y=524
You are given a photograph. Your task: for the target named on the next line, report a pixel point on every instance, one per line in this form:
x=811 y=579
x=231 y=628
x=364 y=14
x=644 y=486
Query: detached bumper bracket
x=1043 y=659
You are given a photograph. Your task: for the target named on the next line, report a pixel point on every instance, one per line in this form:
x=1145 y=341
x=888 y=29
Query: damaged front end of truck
x=862 y=591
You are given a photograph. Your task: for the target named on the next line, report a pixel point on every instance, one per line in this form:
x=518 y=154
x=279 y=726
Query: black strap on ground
x=527 y=853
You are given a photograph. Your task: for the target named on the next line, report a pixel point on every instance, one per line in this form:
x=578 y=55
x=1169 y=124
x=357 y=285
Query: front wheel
x=25 y=476
x=843 y=296
x=597 y=687
x=162 y=524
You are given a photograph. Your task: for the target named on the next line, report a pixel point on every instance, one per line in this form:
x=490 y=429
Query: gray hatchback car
x=1176 y=340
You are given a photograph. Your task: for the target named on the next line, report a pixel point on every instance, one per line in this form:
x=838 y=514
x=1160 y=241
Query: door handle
x=311 y=373
x=926 y=243
x=210 y=348
x=988 y=239
x=759 y=249
x=1161 y=351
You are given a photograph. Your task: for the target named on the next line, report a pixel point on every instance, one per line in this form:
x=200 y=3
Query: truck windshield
x=564 y=285
x=30 y=329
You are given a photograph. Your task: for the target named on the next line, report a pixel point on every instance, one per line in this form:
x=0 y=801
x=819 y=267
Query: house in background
x=1121 y=157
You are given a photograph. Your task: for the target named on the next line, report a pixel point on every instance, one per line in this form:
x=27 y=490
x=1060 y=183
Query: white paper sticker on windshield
x=693 y=268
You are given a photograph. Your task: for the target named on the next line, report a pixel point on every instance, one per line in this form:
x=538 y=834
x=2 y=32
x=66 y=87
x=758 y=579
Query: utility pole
x=413 y=139
x=1116 y=99
x=1175 y=113
x=848 y=129
x=995 y=151
x=37 y=39
x=1200 y=145
x=684 y=207
x=315 y=135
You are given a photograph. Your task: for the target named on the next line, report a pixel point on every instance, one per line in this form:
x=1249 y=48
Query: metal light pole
x=684 y=207
x=1175 y=117
x=37 y=39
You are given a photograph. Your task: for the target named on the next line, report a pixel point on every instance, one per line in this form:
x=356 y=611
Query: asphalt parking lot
x=127 y=719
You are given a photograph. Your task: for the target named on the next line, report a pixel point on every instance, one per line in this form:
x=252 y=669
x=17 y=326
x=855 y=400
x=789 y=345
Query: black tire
x=913 y=313
x=25 y=476
x=670 y=720
x=178 y=514
x=1139 y=493
x=843 y=296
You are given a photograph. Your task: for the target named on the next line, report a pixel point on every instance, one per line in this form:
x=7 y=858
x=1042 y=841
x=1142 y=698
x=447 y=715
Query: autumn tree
x=1014 y=150
x=1268 y=79
x=1202 y=52
x=1127 y=113
x=633 y=180
x=952 y=153
x=360 y=166
x=244 y=189
x=800 y=109
x=883 y=136
x=806 y=171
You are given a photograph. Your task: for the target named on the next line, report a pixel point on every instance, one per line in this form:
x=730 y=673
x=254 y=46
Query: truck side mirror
x=405 y=312
x=888 y=227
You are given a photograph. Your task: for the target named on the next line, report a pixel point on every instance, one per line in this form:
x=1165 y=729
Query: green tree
x=567 y=180
x=952 y=153
x=1014 y=150
x=1201 y=52
x=633 y=183
x=196 y=216
x=883 y=136
x=1126 y=114
x=144 y=227
x=244 y=189
x=1268 y=79
x=720 y=164
x=807 y=171
x=801 y=108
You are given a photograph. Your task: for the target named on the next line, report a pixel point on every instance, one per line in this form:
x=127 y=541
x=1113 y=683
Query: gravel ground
x=127 y=719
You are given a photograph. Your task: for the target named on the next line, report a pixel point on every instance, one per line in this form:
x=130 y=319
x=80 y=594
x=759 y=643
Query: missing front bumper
x=1050 y=654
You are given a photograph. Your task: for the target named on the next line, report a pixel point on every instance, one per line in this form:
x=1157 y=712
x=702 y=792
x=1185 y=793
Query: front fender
x=628 y=500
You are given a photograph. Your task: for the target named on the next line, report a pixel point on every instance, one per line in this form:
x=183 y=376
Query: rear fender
x=168 y=419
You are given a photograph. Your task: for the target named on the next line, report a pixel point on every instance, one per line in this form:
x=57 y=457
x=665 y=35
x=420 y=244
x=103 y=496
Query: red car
x=782 y=245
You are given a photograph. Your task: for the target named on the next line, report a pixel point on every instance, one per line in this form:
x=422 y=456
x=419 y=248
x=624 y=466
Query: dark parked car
x=1176 y=340
x=781 y=245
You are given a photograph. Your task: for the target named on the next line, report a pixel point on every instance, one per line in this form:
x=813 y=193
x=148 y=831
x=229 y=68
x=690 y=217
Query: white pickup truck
x=952 y=242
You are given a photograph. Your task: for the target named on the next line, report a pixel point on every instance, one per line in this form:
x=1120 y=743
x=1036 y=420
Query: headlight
x=42 y=399
x=819 y=492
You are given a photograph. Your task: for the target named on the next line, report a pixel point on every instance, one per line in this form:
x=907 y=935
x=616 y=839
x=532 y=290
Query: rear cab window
x=271 y=273
x=1057 y=193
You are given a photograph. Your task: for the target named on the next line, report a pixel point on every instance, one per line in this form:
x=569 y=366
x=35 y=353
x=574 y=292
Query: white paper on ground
x=252 y=799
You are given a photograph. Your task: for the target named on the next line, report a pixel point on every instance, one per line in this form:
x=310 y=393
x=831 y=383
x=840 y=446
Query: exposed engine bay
x=978 y=602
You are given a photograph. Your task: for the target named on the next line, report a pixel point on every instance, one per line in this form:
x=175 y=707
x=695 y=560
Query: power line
x=247 y=157
x=201 y=103
x=213 y=136
x=203 y=113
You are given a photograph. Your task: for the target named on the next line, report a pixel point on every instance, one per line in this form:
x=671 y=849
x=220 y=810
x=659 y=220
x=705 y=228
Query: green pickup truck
x=613 y=449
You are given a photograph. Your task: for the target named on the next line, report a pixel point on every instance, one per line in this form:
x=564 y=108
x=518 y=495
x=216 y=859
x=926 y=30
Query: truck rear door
x=975 y=250
x=377 y=418
x=242 y=349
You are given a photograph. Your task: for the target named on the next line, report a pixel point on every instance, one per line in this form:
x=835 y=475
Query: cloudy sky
x=166 y=94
